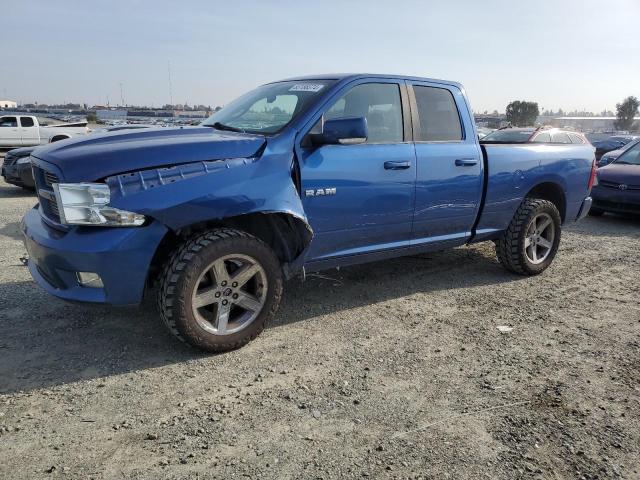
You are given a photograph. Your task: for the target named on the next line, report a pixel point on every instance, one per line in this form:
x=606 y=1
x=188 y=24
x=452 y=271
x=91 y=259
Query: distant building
x=587 y=124
x=192 y=114
x=8 y=104
x=115 y=114
x=490 y=120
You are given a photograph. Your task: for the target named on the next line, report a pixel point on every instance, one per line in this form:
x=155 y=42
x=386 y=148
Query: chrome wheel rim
x=229 y=294
x=538 y=241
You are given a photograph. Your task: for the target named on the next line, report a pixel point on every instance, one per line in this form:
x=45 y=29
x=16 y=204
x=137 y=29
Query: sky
x=569 y=54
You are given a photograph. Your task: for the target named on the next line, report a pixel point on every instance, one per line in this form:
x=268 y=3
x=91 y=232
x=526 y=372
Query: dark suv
x=534 y=135
x=16 y=168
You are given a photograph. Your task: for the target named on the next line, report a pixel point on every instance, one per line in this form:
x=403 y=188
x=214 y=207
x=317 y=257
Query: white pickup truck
x=24 y=130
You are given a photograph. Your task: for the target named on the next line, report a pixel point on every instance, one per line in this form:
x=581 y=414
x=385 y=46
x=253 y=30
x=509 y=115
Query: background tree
x=625 y=112
x=522 y=113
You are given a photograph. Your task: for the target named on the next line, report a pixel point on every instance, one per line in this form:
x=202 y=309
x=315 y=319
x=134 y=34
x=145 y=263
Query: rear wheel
x=530 y=243
x=219 y=290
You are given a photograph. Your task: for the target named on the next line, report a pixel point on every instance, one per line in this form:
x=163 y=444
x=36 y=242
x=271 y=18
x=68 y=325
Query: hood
x=614 y=153
x=620 y=173
x=95 y=157
x=20 y=152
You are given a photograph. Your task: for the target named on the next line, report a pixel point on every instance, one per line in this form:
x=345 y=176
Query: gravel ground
x=389 y=370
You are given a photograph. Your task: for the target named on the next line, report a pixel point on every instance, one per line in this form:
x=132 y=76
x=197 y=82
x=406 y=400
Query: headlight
x=87 y=204
x=23 y=160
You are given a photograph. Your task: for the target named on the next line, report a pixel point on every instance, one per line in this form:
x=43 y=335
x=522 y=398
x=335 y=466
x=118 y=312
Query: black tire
x=510 y=248
x=596 y=212
x=185 y=268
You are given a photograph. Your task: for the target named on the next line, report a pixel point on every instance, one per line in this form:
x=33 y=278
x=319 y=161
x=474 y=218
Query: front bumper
x=121 y=256
x=615 y=200
x=18 y=174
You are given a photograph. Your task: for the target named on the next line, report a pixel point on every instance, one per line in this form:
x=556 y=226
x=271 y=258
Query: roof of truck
x=356 y=76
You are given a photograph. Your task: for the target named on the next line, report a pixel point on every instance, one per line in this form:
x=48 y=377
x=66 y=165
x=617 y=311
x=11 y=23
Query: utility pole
x=121 y=95
x=170 y=89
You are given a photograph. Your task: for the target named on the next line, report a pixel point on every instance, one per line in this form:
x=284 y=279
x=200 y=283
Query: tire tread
x=168 y=292
x=508 y=246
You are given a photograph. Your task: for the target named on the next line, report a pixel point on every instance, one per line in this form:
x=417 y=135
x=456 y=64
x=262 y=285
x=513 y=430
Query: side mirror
x=342 y=131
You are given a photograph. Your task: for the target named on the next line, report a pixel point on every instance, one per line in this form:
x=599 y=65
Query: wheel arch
x=287 y=234
x=552 y=192
x=59 y=137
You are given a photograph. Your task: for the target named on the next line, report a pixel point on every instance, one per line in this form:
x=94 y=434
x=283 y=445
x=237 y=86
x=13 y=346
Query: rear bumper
x=584 y=208
x=121 y=256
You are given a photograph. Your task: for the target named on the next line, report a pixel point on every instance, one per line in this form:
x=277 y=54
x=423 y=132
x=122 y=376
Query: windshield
x=267 y=109
x=508 y=136
x=631 y=156
x=623 y=140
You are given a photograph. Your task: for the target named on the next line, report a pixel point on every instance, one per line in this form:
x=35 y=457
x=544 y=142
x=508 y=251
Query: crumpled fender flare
x=185 y=195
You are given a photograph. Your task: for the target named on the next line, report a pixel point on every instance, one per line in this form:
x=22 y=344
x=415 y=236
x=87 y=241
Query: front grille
x=616 y=185
x=10 y=160
x=53 y=205
x=44 y=181
x=50 y=179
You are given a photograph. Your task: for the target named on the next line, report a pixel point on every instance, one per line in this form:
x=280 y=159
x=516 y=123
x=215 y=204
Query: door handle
x=466 y=162
x=391 y=165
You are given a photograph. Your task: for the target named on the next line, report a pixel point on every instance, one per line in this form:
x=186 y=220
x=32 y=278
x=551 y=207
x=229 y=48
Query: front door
x=359 y=198
x=449 y=165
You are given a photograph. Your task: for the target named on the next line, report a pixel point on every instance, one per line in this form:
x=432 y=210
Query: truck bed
x=512 y=170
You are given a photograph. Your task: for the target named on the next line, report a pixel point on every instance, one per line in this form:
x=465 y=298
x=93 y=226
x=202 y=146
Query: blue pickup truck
x=295 y=176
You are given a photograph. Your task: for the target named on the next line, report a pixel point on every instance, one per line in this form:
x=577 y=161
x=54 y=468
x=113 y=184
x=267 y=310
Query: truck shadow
x=11 y=230
x=608 y=225
x=9 y=191
x=47 y=342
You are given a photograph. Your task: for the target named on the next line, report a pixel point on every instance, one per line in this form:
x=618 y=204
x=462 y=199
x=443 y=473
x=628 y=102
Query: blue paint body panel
x=446 y=193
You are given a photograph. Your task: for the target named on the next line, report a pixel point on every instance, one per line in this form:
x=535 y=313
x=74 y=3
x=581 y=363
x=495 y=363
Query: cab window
x=26 y=122
x=379 y=103
x=10 y=122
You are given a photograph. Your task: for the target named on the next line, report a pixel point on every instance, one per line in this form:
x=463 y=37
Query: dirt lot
x=389 y=370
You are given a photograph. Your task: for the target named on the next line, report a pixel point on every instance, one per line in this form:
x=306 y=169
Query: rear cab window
x=26 y=122
x=508 y=136
x=437 y=115
x=560 y=137
x=542 y=138
x=575 y=138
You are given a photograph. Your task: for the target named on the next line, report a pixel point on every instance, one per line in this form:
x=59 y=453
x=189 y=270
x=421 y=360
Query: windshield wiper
x=222 y=126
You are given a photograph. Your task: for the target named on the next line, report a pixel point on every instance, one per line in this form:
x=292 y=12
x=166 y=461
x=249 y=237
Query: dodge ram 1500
x=295 y=176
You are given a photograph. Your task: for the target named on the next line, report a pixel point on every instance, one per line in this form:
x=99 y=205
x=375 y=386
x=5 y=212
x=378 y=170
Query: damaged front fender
x=233 y=192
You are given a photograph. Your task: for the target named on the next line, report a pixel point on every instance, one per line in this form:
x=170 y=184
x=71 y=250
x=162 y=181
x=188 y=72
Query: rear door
x=449 y=165
x=9 y=132
x=359 y=198
x=30 y=133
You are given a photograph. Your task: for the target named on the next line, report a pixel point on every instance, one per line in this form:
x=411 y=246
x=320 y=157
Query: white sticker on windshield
x=306 y=87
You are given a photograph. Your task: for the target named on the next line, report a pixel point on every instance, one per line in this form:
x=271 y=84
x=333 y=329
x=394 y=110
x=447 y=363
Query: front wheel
x=531 y=241
x=220 y=289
